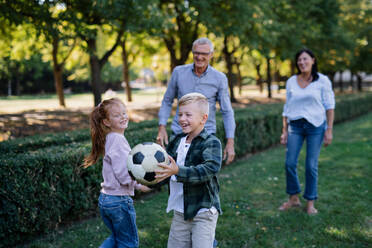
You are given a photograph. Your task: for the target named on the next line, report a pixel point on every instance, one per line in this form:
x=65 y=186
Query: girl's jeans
x=119 y=216
x=298 y=131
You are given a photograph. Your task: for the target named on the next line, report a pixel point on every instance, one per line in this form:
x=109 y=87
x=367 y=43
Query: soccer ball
x=143 y=160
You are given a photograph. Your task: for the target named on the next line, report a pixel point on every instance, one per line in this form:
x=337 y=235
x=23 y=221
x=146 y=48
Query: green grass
x=251 y=191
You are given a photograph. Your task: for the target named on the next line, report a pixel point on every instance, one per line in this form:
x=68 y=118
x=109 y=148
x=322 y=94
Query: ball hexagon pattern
x=143 y=160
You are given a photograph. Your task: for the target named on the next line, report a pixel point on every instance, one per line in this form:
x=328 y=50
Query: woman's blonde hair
x=98 y=130
x=197 y=98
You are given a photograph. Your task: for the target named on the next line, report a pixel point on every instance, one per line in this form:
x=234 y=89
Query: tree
x=180 y=27
x=48 y=18
x=357 y=21
x=231 y=20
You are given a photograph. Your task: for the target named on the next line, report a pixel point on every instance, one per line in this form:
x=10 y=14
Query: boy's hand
x=144 y=188
x=167 y=170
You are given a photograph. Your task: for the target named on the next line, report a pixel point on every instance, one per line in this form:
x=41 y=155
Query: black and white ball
x=143 y=160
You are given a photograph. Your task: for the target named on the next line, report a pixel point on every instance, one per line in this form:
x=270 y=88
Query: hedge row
x=35 y=142
x=41 y=188
x=44 y=140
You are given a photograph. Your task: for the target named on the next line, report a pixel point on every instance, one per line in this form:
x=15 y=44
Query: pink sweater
x=116 y=179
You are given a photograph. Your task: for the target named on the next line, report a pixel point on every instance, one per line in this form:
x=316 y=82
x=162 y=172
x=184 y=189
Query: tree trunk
x=95 y=71
x=9 y=87
x=128 y=90
x=293 y=68
x=57 y=72
x=331 y=76
x=239 y=78
x=181 y=36
x=360 y=81
x=229 y=66
x=96 y=64
x=268 y=77
x=259 y=79
x=96 y=79
x=18 y=86
x=341 y=83
x=184 y=52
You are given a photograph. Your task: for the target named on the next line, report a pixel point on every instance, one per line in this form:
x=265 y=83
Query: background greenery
x=251 y=191
x=44 y=185
x=87 y=45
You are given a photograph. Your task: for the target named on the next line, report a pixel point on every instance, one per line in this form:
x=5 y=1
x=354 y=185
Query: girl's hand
x=144 y=188
x=166 y=170
x=284 y=138
x=328 y=136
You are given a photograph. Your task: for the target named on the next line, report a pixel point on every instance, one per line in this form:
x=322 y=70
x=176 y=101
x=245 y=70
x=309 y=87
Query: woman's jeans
x=119 y=216
x=298 y=131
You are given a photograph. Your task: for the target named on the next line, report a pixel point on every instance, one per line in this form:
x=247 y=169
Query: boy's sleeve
x=212 y=159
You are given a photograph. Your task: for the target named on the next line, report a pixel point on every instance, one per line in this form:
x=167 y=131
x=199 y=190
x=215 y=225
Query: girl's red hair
x=98 y=130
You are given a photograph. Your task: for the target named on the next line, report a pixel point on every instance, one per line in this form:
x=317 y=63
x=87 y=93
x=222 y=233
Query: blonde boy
x=196 y=158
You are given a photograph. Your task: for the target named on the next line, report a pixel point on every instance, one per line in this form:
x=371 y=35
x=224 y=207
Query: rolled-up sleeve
x=328 y=96
x=166 y=104
x=212 y=159
x=226 y=108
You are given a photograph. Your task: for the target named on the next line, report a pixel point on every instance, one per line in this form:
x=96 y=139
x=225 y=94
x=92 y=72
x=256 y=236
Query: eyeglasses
x=200 y=53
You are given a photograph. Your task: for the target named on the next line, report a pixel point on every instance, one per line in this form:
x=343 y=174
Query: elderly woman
x=308 y=115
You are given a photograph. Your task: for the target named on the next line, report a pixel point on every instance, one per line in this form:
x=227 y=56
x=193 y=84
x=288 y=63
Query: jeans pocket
x=115 y=214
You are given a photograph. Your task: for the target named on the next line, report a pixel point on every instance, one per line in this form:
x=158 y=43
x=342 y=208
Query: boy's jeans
x=119 y=216
x=299 y=130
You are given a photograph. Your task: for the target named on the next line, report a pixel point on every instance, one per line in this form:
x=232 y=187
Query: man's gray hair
x=203 y=41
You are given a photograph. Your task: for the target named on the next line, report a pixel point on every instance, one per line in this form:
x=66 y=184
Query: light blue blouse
x=311 y=102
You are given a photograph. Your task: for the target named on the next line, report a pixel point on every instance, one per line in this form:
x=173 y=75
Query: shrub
x=35 y=142
x=41 y=188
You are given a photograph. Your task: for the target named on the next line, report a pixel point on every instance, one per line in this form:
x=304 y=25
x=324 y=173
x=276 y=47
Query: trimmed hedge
x=35 y=142
x=40 y=188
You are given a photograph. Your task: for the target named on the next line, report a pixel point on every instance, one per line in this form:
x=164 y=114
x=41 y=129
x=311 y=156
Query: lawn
x=251 y=191
x=15 y=104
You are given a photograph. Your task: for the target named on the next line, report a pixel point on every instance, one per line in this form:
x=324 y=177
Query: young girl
x=108 y=123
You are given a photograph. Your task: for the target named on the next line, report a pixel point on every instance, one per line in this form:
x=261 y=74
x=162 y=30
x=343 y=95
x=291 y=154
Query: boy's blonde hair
x=197 y=98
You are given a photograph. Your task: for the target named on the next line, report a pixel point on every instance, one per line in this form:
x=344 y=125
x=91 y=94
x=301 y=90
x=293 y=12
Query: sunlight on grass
x=336 y=232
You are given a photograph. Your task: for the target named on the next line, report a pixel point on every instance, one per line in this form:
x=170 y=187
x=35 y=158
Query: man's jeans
x=119 y=216
x=299 y=130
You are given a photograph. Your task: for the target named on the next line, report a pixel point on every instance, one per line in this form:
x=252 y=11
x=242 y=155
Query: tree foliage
x=265 y=34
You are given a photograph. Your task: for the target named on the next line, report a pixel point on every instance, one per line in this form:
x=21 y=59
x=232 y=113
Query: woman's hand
x=284 y=138
x=328 y=136
x=166 y=170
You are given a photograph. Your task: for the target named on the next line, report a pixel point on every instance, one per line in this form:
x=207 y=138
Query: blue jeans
x=298 y=131
x=119 y=216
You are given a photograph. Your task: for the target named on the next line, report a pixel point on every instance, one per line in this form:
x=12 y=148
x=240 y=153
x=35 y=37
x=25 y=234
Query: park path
x=30 y=117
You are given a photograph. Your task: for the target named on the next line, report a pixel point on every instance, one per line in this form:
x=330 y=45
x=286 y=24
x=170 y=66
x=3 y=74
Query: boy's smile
x=191 y=119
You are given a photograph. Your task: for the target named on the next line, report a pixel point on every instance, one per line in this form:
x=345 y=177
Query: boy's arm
x=212 y=159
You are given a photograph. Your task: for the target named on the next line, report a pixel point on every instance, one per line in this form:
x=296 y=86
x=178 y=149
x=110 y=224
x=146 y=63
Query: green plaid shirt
x=199 y=174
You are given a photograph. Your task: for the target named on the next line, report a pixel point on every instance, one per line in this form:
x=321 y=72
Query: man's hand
x=162 y=138
x=328 y=136
x=229 y=151
x=166 y=170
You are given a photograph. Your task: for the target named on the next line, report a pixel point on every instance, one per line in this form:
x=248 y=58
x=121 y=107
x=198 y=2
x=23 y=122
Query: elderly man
x=203 y=78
